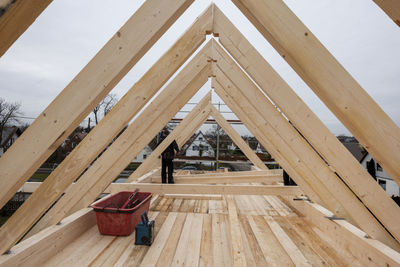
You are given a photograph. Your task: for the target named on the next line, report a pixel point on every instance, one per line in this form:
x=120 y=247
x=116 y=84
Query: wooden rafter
x=73 y=104
x=329 y=147
x=112 y=124
x=17 y=20
x=372 y=127
x=105 y=169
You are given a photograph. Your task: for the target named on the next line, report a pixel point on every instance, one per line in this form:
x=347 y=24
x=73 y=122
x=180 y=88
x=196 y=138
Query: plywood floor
x=259 y=230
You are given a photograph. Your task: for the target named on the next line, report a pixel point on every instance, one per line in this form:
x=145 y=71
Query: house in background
x=198 y=146
x=142 y=156
x=380 y=175
x=9 y=135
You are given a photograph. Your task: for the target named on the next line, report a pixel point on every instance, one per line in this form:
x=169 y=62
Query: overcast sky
x=69 y=33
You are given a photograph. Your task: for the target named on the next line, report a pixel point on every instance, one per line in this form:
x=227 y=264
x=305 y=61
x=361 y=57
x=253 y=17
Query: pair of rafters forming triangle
x=97 y=140
x=318 y=68
x=186 y=129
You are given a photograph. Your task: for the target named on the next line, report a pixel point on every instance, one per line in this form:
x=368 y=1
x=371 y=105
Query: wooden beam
x=329 y=147
x=340 y=92
x=35 y=251
x=86 y=90
x=391 y=8
x=271 y=172
x=208 y=189
x=346 y=238
x=105 y=169
x=237 y=139
x=109 y=127
x=239 y=112
x=194 y=196
x=181 y=133
x=17 y=20
x=224 y=180
x=355 y=209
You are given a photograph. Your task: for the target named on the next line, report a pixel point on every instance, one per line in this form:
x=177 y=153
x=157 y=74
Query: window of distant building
x=201 y=138
x=382 y=183
x=195 y=148
x=205 y=148
x=378 y=167
x=144 y=156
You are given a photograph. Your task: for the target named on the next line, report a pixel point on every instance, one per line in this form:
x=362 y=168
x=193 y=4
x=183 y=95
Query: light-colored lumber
x=345 y=236
x=238 y=254
x=112 y=124
x=332 y=150
x=84 y=92
x=266 y=143
x=181 y=134
x=273 y=172
x=272 y=250
x=224 y=179
x=291 y=249
x=208 y=189
x=391 y=8
x=36 y=250
x=17 y=20
x=340 y=92
x=156 y=248
x=237 y=139
x=105 y=169
x=193 y=196
x=356 y=211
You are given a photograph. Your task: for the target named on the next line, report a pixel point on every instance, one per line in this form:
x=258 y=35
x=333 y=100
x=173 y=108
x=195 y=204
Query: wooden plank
x=272 y=250
x=340 y=92
x=266 y=143
x=36 y=250
x=355 y=211
x=209 y=189
x=291 y=249
x=276 y=172
x=255 y=254
x=221 y=180
x=195 y=117
x=17 y=20
x=332 y=150
x=217 y=242
x=206 y=247
x=391 y=8
x=237 y=243
x=106 y=168
x=193 y=196
x=344 y=236
x=112 y=124
x=99 y=76
x=159 y=243
x=237 y=139
x=168 y=251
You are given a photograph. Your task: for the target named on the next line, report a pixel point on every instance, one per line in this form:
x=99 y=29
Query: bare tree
x=105 y=105
x=9 y=113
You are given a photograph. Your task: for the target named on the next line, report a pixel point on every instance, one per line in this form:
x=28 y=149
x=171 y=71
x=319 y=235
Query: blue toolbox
x=144 y=231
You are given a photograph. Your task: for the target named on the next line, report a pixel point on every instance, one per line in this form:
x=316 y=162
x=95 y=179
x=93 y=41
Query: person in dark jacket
x=167 y=156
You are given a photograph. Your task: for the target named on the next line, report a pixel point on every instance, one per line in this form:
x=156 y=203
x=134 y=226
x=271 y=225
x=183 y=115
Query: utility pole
x=217 y=156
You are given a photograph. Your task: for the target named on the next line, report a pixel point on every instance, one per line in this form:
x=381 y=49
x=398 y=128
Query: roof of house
x=355 y=149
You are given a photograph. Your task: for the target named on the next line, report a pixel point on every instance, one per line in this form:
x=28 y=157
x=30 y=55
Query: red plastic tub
x=113 y=220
